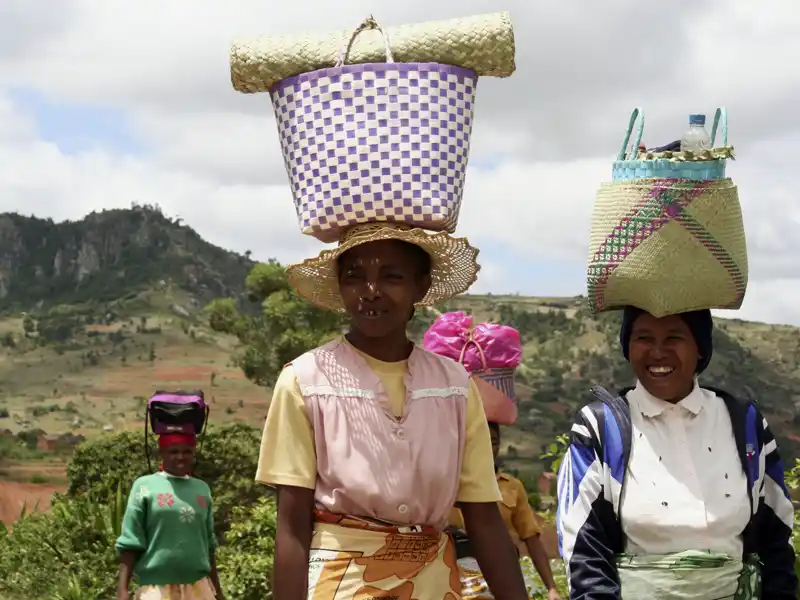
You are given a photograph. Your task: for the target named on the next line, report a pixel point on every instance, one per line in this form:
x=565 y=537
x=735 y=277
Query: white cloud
x=212 y=155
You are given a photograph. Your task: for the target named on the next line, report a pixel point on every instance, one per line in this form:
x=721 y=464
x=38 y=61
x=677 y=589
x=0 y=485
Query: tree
x=285 y=327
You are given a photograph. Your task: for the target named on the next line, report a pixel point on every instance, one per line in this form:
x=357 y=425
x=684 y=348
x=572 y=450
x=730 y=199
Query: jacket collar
x=651 y=407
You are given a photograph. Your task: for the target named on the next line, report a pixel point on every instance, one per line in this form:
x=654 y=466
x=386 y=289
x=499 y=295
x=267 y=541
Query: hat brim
x=454 y=266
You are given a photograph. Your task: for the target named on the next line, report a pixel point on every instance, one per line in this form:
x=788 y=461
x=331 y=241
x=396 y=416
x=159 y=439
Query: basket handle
x=471 y=340
x=368 y=24
x=721 y=120
x=623 y=154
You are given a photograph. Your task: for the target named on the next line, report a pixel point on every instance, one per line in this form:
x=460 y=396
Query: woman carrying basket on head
x=167 y=541
x=369 y=439
x=378 y=438
x=491 y=353
x=670 y=489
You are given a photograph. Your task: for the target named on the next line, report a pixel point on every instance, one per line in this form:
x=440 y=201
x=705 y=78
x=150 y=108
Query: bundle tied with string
x=667 y=232
x=491 y=354
x=382 y=140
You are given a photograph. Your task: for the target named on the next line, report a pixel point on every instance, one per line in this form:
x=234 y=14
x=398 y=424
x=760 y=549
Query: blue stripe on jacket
x=590 y=535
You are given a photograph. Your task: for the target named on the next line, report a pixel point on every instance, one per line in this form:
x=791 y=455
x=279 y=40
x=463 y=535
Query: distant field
x=95 y=383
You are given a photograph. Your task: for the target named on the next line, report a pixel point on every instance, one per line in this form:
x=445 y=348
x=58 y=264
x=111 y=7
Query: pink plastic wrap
x=453 y=336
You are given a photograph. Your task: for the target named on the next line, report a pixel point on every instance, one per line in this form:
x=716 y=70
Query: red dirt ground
x=14 y=495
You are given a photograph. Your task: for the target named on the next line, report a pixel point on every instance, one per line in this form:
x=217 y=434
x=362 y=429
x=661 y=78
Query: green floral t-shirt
x=169 y=523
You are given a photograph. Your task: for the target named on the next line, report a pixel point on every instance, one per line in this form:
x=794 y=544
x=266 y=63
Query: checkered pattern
x=376 y=142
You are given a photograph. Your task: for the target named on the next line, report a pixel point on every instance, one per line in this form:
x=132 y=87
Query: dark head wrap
x=699 y=322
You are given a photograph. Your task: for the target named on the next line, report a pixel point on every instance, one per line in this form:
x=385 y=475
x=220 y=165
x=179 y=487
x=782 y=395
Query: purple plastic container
x=177 y=412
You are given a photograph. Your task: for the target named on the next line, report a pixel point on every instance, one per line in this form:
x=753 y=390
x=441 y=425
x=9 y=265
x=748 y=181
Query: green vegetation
x=124 y=302
x=68 y=552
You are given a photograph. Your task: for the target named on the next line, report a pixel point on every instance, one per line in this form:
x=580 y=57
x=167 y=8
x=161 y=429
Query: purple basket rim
x=177 y=399
x=374 y=67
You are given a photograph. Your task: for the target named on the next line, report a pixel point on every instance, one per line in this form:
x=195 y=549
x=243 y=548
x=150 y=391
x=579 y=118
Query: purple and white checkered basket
x=376 y=142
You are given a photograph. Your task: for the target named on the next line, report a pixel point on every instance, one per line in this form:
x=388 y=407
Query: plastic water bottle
x=696 y=139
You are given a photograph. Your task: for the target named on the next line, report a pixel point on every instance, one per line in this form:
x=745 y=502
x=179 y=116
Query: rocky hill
x=108 y=255
x=98 y=313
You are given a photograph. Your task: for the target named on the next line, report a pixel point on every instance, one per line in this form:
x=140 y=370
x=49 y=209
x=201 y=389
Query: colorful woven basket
x=376 y=142
x=705 y=166
x=499 y=396
x=667 y=246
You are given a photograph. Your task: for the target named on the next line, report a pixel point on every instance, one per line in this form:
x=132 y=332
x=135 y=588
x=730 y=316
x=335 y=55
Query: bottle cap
x=697 y=119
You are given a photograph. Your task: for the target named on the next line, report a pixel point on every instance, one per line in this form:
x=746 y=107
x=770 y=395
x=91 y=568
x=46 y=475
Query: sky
x=104 y=103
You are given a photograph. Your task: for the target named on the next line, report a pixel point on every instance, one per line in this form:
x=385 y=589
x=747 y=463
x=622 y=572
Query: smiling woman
x=687 y=499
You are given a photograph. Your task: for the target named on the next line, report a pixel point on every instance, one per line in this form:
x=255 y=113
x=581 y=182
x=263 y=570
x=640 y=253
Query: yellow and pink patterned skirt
x=353 y=558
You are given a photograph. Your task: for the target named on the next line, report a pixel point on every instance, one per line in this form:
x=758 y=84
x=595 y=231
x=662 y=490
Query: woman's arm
x=133 y=538
x=493 y=549
x=587 y=526
x=540 y=561
x=773 y=524
x=527 y=527
x=212 y=547
x=288 y=461
x=127 y=559
x=212 y=559
x=292 y=543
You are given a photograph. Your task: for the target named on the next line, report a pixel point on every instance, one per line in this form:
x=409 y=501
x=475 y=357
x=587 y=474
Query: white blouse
x=685 y=488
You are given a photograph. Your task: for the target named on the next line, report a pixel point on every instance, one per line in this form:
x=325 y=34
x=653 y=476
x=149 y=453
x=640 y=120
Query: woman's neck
x=389 y=348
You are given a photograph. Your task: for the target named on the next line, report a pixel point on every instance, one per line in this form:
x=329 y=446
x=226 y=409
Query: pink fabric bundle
x=490 y=352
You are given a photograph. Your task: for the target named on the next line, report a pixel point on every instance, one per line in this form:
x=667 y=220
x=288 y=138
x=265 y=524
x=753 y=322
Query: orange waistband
x=354 y=522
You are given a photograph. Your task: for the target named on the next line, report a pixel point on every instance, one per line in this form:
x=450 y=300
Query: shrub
x=245 y=562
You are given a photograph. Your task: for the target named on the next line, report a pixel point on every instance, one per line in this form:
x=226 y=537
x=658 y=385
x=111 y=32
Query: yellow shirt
x=514 y=508
x=288 y=455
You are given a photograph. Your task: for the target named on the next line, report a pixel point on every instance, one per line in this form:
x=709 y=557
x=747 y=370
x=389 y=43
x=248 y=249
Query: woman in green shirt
x=167 y=541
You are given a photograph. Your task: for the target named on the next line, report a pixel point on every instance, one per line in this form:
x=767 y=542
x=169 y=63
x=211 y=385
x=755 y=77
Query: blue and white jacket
x=591 y=480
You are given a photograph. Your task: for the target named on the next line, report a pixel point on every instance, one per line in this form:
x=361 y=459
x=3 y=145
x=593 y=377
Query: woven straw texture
x=631 y=164
x=707 y=166
x=454 y=266
x=377 y=142
x=481 y=43
x=499 y=396
x=667 y=247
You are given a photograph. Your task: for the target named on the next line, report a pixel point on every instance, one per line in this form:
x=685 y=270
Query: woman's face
x=178 y=459
x=664 y=356
x=379 y=283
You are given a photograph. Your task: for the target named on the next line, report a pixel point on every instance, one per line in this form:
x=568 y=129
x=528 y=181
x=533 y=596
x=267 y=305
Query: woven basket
x=667 y=246
x=376 y=142
x=705 y=166
x=497 y=392
x=482 y=43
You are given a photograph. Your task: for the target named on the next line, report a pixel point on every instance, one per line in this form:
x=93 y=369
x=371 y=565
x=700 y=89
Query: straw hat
x=454 y=267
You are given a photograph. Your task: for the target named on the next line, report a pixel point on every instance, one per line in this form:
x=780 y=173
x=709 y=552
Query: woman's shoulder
x=444 y=363
x=148 y=480
x=199 y=483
